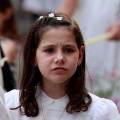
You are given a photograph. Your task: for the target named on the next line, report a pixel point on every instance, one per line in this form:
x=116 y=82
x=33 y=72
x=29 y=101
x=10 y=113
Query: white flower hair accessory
x=59 y=18
x=51 y=15
x=40 y=17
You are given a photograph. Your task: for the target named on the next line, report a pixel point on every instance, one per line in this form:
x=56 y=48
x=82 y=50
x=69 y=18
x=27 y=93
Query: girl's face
x=57 y=55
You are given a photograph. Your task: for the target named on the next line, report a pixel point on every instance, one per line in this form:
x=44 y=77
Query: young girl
x=53 y=79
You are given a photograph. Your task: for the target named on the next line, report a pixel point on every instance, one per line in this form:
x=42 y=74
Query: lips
x=60 y=69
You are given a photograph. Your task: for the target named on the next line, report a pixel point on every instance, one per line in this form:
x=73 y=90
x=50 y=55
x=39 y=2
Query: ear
x=81 y=53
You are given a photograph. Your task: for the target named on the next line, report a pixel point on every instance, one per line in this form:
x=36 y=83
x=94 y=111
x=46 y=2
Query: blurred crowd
x=95 y=18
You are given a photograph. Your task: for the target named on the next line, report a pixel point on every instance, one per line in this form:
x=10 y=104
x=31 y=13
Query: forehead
x=58 y=35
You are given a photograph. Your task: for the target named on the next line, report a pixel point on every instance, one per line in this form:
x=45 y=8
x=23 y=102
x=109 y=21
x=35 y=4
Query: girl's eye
x=50 y=50
x=69 y=50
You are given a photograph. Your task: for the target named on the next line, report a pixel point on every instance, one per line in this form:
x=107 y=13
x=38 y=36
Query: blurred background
x=94 y=17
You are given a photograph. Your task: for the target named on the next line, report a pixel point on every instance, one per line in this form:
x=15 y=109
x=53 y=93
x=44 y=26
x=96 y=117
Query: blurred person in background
x=8 y=47
x=102 y=58
x=41 y=7
x=8 y=30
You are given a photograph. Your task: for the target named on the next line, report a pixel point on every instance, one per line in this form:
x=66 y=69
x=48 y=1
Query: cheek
x=72 y=67
x=44 y=65
x=74 y=58
x=43 y=60
x=41 y=65
x=73 y=61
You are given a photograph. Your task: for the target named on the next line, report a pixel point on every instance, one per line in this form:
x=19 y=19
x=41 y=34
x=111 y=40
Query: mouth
x=59 y=69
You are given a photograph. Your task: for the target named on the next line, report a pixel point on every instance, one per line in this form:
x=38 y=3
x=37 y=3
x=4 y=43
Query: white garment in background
x=94 y=16
x=40 y=6
x=100 y=109
x=3 y=112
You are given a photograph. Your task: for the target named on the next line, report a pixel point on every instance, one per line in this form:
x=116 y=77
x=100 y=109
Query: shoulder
x=102 y=107
x=12 y=98
x=102 y=101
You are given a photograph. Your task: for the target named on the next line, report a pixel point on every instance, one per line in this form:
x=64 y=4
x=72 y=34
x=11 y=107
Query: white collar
x=47 y=101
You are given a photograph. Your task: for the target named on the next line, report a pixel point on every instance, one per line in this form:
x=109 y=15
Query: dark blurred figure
x=8 y=37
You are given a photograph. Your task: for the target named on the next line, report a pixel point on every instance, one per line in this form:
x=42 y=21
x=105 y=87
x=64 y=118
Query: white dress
x=100 y=109
x=102 y=58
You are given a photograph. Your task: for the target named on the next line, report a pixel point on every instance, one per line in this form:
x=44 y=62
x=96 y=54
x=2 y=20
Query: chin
x=59 y=81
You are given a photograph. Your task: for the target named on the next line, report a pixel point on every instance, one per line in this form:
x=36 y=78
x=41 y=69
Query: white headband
x=51 y=15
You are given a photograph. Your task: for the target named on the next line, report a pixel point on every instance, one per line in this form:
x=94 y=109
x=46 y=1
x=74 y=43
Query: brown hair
x=79 y=99
x=9 y=28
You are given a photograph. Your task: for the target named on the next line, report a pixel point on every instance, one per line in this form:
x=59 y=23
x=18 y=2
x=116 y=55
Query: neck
x=54 y=91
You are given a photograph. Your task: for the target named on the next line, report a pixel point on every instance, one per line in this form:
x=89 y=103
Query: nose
x=59 y=58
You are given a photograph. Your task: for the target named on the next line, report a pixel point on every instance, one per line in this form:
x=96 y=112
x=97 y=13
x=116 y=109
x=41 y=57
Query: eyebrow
x=53 y=45
x=48 y=46
x=69 y=45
